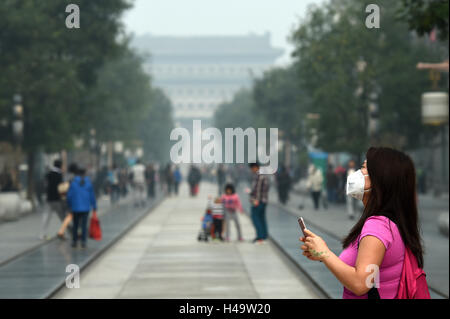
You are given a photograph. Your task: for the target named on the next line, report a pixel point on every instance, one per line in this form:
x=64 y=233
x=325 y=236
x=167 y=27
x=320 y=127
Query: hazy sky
x=218 y=17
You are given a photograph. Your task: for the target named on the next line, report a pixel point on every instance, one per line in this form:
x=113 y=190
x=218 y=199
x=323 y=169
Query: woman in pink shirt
x=232 y=205
x=386 y=184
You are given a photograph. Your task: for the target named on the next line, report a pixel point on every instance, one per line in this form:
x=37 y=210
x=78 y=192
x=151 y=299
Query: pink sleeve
x=378 y=226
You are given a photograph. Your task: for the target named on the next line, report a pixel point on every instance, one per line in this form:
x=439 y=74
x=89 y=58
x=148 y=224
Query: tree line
x=75 y=81
x=340 y=66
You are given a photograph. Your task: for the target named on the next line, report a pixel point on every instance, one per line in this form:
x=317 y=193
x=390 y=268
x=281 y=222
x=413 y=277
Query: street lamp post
x=94 y=149
x=17 y=130
x=435 y=112
x=118 y=151
x=17 y=123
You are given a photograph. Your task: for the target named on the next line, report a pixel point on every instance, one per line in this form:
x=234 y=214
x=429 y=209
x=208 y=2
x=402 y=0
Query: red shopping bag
x=95 y=232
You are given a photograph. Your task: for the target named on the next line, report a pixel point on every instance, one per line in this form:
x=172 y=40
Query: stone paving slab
x=161 y=258
x=22 y=235
x=40 y=272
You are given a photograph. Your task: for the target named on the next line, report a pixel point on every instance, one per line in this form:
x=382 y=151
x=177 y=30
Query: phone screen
x=302 y=225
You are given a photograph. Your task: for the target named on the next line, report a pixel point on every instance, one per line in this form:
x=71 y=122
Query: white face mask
x=355 y=185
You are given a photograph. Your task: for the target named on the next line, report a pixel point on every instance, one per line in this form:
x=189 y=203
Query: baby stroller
x=205 y=231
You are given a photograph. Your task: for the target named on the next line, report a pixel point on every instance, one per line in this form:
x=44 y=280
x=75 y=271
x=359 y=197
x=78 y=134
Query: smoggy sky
x=219 y=17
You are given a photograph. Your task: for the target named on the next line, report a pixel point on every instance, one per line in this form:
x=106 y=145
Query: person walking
x=332 y=184
x=123 y=182
x=314 y=184
x=177 y=178
x=81 y=199
x=63 y=190
x=386 y=238
x=150 y=178
x=194 y=178
x=53 y=179
x=220 y=178
x=341 y=176
x=169 y=177
x=138 y=180
x=350 y=201
x=283 y=184
x=259 y=197
x=113 y=182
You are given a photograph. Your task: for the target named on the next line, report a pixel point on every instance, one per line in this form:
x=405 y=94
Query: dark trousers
x=170 y=188
x=258 y=215
x=151 y=190
x=218 y=223
x=177 y=186
x=316 y=198
x=331 y=193
x=80 y=219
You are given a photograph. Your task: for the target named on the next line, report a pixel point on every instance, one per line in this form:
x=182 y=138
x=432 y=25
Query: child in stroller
x=205 y=231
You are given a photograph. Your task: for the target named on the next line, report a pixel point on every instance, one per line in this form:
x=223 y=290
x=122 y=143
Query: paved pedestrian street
x=161 y=258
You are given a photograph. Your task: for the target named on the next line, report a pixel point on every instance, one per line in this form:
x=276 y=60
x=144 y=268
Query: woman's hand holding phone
x=314 y=247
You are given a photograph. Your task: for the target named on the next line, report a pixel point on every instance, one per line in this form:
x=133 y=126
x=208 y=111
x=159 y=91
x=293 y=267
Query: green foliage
x=328 y=45
x=155 y=128
x=423 y=16
x=122 y=94
x=51 y=66
x=278 y=98
x=240 y=112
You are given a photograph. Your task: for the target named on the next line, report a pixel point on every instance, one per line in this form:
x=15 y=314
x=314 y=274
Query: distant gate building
x=200 y=73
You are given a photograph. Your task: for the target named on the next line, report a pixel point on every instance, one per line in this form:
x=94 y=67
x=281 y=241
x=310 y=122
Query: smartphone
x=301 y=222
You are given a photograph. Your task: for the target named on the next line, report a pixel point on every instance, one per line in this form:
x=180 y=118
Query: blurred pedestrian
x=81 y=199
x=169 y=178
x=113 y=183
x=332 y=184
x=123 y=182
x=53 y=178
x=7 y=181
x=138 y=181
x=150 y=177
x=101 y=180
x=314 y=184
x=220 y=178
x=259 y=197
x=284 y=181
x=63 y=190
x=421 y=179
x=194 y=178
x=341 y=175
x=177 y=178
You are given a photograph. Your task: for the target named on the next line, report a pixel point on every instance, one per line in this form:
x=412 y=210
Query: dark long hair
x=393 y=194
x=231 y=188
